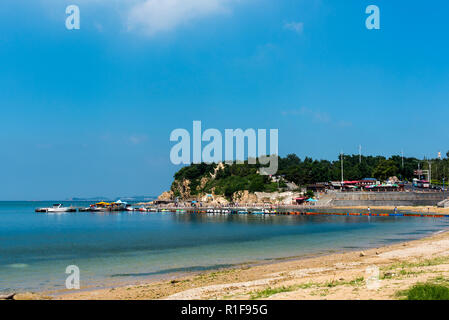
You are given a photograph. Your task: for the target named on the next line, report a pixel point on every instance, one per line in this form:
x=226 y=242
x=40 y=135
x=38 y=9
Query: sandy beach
x=333 y=276
x=420 y=209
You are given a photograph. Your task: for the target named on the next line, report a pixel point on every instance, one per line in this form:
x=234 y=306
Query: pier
x=279 y=210
x=304 y=211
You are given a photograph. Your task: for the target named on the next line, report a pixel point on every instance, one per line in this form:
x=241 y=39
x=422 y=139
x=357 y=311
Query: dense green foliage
x=232 y=178
x=311 y=171
x=238 y=177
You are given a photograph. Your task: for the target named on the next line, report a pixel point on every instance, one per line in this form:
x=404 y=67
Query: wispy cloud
x=344 y=124
x=136 y=139
x=297 y=27
x=155 y=16
x=318 y=116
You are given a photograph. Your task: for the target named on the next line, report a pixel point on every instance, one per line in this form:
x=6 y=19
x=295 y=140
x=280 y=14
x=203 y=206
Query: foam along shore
x=331 y=276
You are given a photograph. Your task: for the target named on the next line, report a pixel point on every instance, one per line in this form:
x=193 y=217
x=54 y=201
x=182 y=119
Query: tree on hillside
x=385 y=169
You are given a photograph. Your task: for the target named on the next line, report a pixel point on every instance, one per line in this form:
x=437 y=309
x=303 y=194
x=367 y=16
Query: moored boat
x=56 y=208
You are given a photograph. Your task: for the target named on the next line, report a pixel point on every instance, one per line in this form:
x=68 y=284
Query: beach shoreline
x=328 y=275
x=416 y=209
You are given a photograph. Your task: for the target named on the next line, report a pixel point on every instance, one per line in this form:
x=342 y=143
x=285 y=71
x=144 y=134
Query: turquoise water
x=36 y=248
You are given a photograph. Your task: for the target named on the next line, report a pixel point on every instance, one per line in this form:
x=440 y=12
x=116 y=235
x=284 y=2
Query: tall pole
x=360 y=154
x=419 y=168
x=402 y=154
x=342 y=180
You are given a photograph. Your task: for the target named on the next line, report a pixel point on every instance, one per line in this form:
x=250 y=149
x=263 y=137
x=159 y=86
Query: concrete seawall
x=342 y=199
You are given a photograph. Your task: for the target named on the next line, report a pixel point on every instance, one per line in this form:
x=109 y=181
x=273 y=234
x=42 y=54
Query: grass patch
x=330 y=284
x=423 y=263
x=357 y=282
x=403 y=269
x=269 y=292
x=306 y=285
x=426 y=291
x=434 y=289
x=354 y=282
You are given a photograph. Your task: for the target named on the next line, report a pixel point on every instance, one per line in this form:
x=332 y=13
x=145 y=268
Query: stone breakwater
x=377 y=199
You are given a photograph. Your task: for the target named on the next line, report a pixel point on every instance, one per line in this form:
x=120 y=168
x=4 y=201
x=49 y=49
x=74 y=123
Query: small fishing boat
x=242 y=212
x=56 y=208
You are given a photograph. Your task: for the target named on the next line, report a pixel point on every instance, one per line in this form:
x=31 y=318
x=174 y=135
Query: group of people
x=395 y=209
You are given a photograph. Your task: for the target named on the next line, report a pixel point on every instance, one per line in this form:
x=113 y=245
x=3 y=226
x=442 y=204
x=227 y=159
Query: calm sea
x=36 y=248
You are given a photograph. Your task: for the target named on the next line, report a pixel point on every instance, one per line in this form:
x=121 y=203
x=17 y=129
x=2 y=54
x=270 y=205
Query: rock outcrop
x=244 y=197
x=166 y=195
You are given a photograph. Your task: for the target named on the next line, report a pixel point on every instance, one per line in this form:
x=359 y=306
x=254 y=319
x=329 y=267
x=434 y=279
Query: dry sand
x=421 y=209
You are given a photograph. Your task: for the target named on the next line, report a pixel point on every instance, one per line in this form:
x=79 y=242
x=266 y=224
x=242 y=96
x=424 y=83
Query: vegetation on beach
x=426 y=291
x=265 y=293
x=322 y=287
x=227 y=179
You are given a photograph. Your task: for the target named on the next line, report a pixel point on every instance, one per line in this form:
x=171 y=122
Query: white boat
x=57 y=208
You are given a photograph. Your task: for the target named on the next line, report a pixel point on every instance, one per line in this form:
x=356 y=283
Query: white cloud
x=297 y=27
x=154 y=16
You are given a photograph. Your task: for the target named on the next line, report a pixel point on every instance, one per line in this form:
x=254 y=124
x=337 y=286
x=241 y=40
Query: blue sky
x=89 y=112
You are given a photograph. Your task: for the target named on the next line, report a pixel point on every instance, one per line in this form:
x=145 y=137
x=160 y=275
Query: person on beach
x=369 y=210
x=395 y=210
